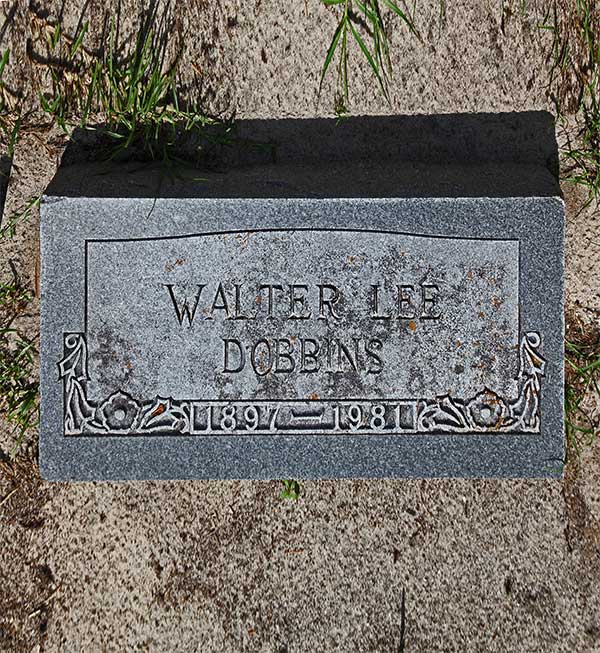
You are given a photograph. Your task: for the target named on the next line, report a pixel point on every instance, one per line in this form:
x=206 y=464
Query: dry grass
x=9 y=108
x=18 y=392
x=575 y=86
x=582 y=383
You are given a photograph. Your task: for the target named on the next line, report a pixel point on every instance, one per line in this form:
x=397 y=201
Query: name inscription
x=323 y=301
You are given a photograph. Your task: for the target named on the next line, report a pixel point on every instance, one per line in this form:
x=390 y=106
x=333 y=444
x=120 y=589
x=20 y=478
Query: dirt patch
x=28 y=583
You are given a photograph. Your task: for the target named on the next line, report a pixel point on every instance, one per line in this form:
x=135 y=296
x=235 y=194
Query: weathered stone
x=363 y=334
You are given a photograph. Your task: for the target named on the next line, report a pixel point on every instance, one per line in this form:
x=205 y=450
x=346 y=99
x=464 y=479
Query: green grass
x=583 y=159
x=582 y=371
x=13 y=296
x=575 y=86
x=362 y=23
x=135 y=95
x=22 y=215
x=18 y=393
x=291 y=490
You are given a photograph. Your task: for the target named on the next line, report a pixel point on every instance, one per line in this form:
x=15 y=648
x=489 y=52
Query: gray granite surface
x=332 y=337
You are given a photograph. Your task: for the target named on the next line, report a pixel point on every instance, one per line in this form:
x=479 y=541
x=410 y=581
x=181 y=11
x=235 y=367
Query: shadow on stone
x=451 y=155
x=5 y=166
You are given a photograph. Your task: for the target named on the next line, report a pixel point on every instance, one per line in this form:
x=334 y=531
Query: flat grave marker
x=366 y=335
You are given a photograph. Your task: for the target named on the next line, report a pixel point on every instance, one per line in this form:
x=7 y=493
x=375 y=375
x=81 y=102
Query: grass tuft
x=361 y=22
x=582 y=381
x=18 y=393
x=291 y=490
x=134 y=94
x=575 y=85
x=9 y=114
x=24 y=214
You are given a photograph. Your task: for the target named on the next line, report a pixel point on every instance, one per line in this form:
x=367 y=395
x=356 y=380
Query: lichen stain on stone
x=158 y=410
x=169 y=267
x=242 y=239
x=111 y=355
x=354 y=261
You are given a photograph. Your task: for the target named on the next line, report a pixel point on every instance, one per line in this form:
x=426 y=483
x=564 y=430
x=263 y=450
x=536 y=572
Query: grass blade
x=368 y=56
x=78 y=40
x=331 y=52
x=3 y=63
x=396 y=9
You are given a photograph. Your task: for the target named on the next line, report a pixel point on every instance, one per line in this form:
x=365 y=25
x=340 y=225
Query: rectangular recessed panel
x=302 y=314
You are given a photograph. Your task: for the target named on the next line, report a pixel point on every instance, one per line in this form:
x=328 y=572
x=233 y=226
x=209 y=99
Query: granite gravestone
x=303 y=319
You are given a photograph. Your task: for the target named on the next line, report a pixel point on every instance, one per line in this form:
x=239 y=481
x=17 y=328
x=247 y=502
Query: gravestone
x=349 y=316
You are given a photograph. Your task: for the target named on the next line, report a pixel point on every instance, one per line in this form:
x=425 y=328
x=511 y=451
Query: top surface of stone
x=470 y=155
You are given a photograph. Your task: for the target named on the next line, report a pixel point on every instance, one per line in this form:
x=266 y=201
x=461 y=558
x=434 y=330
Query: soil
x=420 y=566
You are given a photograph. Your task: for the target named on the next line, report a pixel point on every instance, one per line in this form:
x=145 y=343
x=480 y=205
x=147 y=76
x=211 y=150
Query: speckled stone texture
x=438 y=354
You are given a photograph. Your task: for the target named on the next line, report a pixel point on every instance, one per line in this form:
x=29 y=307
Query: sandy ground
x=448 y=565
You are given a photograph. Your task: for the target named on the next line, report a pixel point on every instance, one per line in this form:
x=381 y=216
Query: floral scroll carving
x=488 y=411
x=122 y=414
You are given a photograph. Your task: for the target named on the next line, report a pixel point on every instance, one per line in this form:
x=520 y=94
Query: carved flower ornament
x=119 y=412
x=487 y=409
